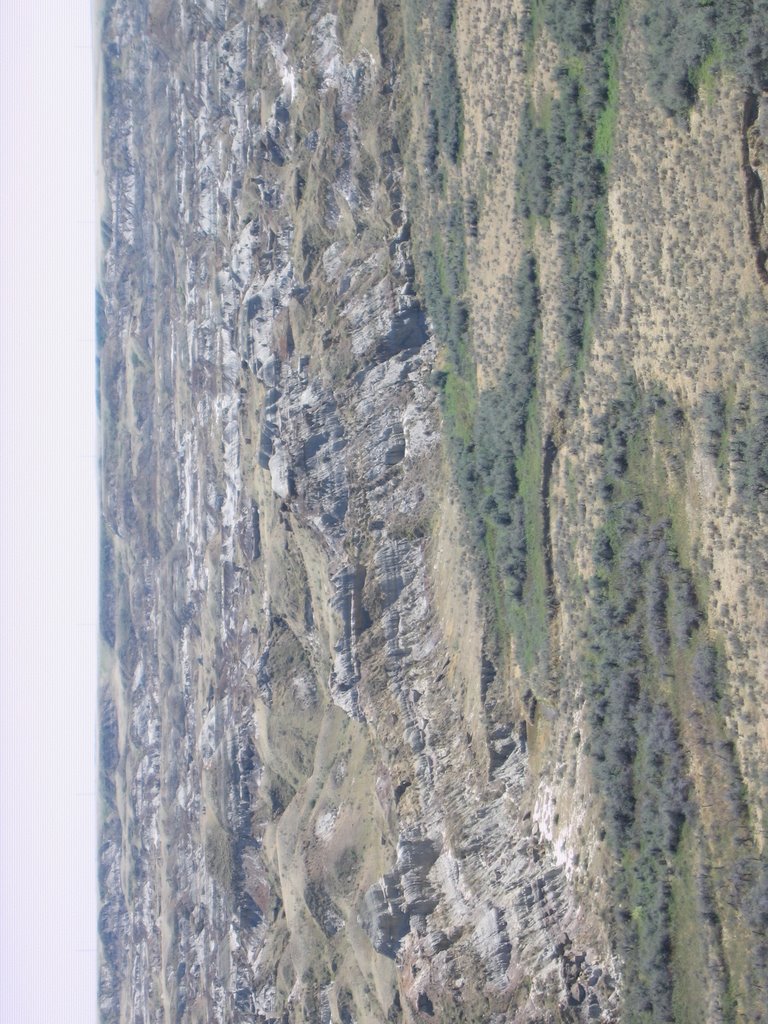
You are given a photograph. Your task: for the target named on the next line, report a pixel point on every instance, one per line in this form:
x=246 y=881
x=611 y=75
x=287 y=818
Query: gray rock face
x=285 y=767
x=383 y=918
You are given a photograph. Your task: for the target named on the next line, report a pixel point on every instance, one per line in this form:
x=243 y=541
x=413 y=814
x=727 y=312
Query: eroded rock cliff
x=335 y=787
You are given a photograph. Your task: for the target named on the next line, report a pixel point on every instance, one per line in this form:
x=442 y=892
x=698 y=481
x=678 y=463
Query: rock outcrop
x=335 y=786
x=271 y=453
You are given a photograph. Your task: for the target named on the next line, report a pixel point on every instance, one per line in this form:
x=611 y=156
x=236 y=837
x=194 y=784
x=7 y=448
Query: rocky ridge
x=275 y=664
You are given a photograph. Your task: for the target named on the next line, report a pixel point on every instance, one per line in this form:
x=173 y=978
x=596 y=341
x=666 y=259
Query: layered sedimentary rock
x=271 y=465
x=327 y=794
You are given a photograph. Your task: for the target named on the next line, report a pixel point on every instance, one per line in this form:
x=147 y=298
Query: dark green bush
x=687 y=39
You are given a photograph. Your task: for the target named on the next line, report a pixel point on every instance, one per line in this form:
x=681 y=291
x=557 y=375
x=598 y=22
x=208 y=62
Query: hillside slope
x=433 y=381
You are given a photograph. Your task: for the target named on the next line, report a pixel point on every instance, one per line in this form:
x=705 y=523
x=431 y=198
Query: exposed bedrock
x=315 y=783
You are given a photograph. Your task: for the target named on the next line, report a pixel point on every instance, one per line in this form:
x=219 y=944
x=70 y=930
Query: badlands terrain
x=433 y=385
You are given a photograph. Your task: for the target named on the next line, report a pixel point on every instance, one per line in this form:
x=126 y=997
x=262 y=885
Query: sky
x=48 y=515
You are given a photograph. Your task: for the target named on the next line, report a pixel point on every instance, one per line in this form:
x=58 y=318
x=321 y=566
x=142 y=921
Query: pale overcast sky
x=48 y=515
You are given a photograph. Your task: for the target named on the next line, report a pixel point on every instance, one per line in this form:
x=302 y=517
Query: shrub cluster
x=688 y=39
x=643 y=607
x=488 y=434
x=445 y=115
x=748 y=442
x=563 y=151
